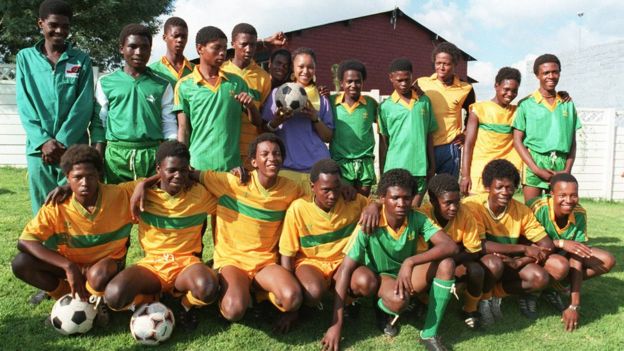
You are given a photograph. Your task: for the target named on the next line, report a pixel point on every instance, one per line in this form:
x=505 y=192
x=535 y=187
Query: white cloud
x=484 y=72
x=448 y=20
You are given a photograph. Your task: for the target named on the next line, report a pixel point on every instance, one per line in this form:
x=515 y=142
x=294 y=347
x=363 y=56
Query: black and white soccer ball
x=292 y=96
x=72 y=316
x=152 y=323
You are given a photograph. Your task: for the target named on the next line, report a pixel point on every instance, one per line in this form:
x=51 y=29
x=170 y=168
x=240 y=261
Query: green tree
x=95 y=26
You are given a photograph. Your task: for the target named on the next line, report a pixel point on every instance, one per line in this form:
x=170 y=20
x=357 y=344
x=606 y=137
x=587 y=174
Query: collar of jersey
x=551 y=214
x=456 y=82
x=340 y=101
x=539 y=98
x=83 y=211
x=199 y=79
x=383 y=222
x=396 y=98
x=170 y=67
x=69 y=50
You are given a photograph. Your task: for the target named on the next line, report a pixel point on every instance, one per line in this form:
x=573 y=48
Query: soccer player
x=316 y=231
x=173 y=66
x=280 y=67
x=545 y=129
x=447 y=212
x=406 y=127
x=170 y=234
x=565 y=222
x=489 y=133
x=353 y=142
x=306 y=132
x=54 y=93
x=209 y=104
x=134 y=108
x=78 y=245
x=449 y=96
x=512 y=232
x=386 y=263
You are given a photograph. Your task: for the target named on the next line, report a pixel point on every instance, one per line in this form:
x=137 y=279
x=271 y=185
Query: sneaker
x=38 y=297
x=417 y=308
x=554 y=299
x=188 y=319
x=485 y=310
x=103 y=315
x=496 y=307
x=528 y=305
x=433 y=344
x=472 y=319
x=352 y=311
x=384 y=323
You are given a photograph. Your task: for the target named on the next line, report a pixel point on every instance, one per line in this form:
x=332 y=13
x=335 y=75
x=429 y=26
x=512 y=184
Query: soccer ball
x=292 y=96
x=72 y=316
x=152 y=323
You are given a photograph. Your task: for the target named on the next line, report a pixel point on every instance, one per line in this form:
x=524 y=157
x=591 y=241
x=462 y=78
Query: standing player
x=406 y=127
x=79 y=244
x=134 y=107
x=173 y=66
x=353 y=142
x=209 y=103
x=489 y=133
x=54 y=93
x=565 y=222
x=387 y=260
x=449 y=96
x=545 y=129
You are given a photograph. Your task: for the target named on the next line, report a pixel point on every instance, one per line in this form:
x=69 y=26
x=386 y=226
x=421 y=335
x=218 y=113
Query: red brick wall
x=374 y=41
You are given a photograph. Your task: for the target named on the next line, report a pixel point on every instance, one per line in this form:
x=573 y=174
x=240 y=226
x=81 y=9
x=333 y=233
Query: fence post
x=610 y=155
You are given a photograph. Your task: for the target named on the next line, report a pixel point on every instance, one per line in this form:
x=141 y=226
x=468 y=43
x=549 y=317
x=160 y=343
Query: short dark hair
x=440 y=184
x=400 y=64
x=351 y=65
x=395 y=177
x=172 y=148
x=253 y=146
x=282 y=52
x=546 y=58
x=562 y=177
x=500 y=169
x=81 y=153
x=506 y=73
x=447 y=48
x=243 y=28
x=55 y=7
x=324 y=166
x=134 y=29
x=208 y=34
x=304 y=51
x=175 y=22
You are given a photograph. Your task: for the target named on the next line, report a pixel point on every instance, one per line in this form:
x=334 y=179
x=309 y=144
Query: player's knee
x=539 y=279
x=233 y=309
x=446 y=269
x=21 y=265
x=115 y=297
x=494 y=265
x=558 y=267
x=365 y=285
x=205 y=289
x=98 y=276
x=290 y=298
x=608 y=262
x=313 y=293
x=475 y=272
x=395 y=303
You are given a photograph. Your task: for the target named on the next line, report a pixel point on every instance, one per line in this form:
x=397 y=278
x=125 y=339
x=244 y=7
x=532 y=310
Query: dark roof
x=399 y=13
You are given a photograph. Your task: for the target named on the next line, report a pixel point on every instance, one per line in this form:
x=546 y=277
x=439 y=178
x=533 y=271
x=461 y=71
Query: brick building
x=376 y=40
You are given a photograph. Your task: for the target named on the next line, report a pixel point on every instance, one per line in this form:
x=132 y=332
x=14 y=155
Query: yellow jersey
x=463 y=229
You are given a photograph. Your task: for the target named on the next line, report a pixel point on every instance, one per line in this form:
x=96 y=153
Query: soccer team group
x=179 y=148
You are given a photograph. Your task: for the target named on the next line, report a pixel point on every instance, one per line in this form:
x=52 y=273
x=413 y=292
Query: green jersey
x=575 y=229
x=353 y=134
x=134 y=109
x=407 y=126
x=54 y=101
x=384 y=250
x=166 y=70
x=546 y=127
x=215 y=118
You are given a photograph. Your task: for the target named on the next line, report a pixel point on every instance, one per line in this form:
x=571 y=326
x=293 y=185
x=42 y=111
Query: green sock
x=439 y=297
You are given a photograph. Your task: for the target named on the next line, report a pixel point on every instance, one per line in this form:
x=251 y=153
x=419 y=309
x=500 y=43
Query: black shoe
x=554 y=299
x=38 y=297
x=188 y=319
x=417 y=308
x=384 y=323
x=103 y=315
x=528 y=305
x=352 y=311
x=433 y=344
x=472 y=319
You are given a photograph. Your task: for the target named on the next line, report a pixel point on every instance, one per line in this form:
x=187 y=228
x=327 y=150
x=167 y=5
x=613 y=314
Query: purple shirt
x=303 y=144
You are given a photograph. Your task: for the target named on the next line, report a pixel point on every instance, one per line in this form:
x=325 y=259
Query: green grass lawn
x=602 y=314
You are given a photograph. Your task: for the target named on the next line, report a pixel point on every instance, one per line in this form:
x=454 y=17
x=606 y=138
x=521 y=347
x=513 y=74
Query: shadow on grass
x=6 y=191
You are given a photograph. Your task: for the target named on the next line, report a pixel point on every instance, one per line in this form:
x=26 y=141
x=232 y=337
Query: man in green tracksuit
x=54 y=86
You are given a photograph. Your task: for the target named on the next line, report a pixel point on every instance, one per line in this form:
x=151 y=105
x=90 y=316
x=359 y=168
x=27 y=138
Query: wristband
x=574 y=307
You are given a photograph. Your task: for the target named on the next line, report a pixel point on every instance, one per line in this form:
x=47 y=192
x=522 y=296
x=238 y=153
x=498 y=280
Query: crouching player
x=386 y=262
x=513 y=233
x=79 y=244
x=170 y=234
x=446 y=211
x=565 y=222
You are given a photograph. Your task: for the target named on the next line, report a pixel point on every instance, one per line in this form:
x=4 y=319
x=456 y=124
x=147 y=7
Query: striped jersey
x=575 y=229
x=463 y=229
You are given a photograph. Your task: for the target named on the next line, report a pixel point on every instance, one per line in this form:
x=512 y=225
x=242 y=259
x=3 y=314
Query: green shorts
x=554 y=161
x=359 y=171
x=126 y=161
x=420 y=185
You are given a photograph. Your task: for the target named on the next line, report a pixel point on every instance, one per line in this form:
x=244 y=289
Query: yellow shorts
x=167 y=268
x=301 y=178
x=251 y=273
x=328 y=268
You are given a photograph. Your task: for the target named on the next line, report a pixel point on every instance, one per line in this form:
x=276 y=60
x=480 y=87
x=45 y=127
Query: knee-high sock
x=438 y=299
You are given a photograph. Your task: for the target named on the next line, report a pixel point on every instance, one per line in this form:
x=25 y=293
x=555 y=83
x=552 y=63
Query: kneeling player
x=170 y=233
x=79 y=244
x=513 y=233
x=446 y=211
x=565 y=222
x=387 y=259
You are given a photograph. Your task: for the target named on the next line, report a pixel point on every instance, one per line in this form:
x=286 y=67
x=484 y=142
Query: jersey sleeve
x=356 y=247
x=210 y=203
x=169 y=121
x=474 y=211
x=289 y=239
x=381 y=120
x=180 y=103
x=519 y=119
x=472 y=237
x=426 y=226
x=215 y=182
x=42 y=227
x=581 y=227
x=325 y=113
x=531 y=227
x=577 y=120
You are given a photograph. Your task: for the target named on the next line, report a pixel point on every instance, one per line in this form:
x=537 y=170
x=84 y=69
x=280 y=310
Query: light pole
x=580 y=16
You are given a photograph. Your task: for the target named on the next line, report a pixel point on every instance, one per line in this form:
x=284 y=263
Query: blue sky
x=496 y=32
